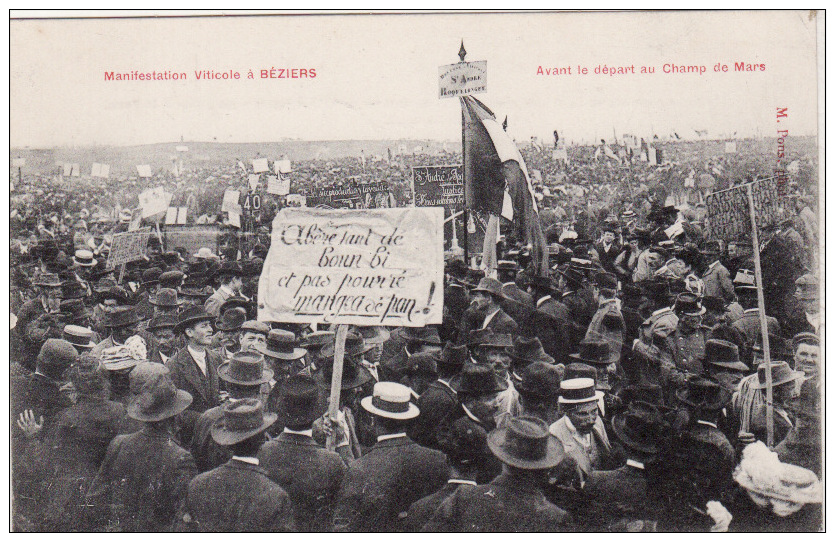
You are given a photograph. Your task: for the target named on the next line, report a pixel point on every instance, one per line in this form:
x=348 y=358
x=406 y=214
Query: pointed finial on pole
x=462 y=53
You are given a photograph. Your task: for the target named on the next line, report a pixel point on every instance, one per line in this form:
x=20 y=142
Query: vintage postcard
x=436 y=271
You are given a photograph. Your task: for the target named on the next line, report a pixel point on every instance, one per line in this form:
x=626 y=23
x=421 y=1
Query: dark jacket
x=503 y=323
x=236 y=496
x=142 y=480
x=436 y=404
x=552 y=326
x=206 y=452
x=204 y=389
x=309 y=473
x=379 y=486
x=502 y=505
x=422 y=510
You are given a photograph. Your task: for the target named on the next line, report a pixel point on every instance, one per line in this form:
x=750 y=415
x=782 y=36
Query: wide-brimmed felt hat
x=230 y=268
x=724 y=354
x=298 y=400
x=162 y=321
x=488 y=338
x=529 y=349
x=245 y=368
x=317 y=339
x=514 y=294
x=158 y=400
x=191 y=315
x=525 y=442
x=539 y=380
x=72 y=290
x=688 y=304
x=391 y=400
x=74 y=309
x=595 y=352
x=703 y=393
x=122 y=315
x=171 y=279
x=422 y=364
x=354 y=374
x=355 y=347
x=165 y=297
x=78 y=336
x=145 y=372
x=231 y=320
x=452 y=355
x=373 y=334
x=476 y=379
x=639 y=427
x=281 y=344
x=193 y=291
x=84 y=258
x=578 y=390
x=425 y=335
x=781 y=373
x=46 y=279
x=489 y=286
x=643 y=392
x=241 y=419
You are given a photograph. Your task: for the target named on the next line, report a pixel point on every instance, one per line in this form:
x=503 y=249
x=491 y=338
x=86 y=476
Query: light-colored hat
x=204 y=253
x=84 y=258
x=579 y=390
x=391 y=400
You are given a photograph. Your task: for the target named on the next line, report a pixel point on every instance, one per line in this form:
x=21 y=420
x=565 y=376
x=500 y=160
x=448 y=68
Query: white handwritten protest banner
x=363 y=267
x=279 y=186
x=728 y=212
x=260 y=165
x=283 y=166
x=441 y=185
x=231 y=201
x=192 y=237
x=127 y=247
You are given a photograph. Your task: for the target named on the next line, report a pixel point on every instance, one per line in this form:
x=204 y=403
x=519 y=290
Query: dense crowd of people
x=624 y=390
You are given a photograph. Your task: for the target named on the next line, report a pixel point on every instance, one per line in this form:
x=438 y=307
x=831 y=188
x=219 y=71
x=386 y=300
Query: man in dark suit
x=310 y=474
x=439 y=401
x=551 y=320
x=238 y=495
x=514 y=501
x=395 y=473
x=244 y=374
x=487 y=297
x=144 y=475
x=194 y=368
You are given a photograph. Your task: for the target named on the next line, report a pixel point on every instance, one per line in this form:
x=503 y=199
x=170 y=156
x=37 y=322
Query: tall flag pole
x=462 y=53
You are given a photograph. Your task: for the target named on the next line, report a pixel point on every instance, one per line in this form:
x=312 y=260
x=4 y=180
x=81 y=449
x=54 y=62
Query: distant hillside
x=123 y=159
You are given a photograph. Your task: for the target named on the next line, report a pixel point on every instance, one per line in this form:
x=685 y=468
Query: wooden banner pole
x=122 y=272
x=769 y=396
x=336 y=381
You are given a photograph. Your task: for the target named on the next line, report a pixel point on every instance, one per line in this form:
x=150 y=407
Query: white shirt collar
x=249 y=460
x=223 y=289
x=544 y=298
x=462 y=482
x=713 y=264
x=706 y=423
x=635 y=464
x=662 y=310
x=470 y=414
x=814 y=320
x=447 y=384
x=381 y=438
x=490 y=317
x=753 y=310
x=305 y=432
x=199 y=357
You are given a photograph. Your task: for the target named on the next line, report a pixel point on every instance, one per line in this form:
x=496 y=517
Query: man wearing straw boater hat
x=309 y=473
x=244 y=374
x=144 y=475
x=238 y=495
x=395 y=473
x=194 y=367
x=581 y=430
x=514 y=501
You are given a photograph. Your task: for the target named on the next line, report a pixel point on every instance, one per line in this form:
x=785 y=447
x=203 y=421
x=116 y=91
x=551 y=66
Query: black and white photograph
x=416 y=270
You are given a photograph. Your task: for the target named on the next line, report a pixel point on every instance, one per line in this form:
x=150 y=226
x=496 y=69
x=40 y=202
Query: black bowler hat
x=595 y=352
x=298 y=401
x=452 y=355
x=476 y=379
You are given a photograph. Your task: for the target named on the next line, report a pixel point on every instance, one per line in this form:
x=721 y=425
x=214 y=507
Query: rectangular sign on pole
x=231 y=201
x=359 y=196
x=18 y=162
x=460 y=79
x=260 y=165
x=277 y=185
x=154 y=201
x=192 y=237
x=144 y=171
x=442 y=185
x=127 y=247
x=728 y=213
x=363 y=267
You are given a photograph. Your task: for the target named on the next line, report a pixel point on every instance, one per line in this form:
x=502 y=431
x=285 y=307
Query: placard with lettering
x=154 y=201
x=441 y=185
x=364 y=267
x=127 y=247
x=192 y=237
x=359 y=196
x=728 y=214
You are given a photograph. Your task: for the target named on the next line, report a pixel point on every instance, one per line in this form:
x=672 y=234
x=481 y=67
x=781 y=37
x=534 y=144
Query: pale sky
x=377 y=76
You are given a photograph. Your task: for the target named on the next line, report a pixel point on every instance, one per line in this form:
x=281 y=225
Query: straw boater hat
x=524 y=442
x=84 y=258
x=578 y=390
x=281 y=344
x=245 y=368
x=242 y=419
x=80 y=337
x=391 y=400
x=204 y=253
x=160 y=399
